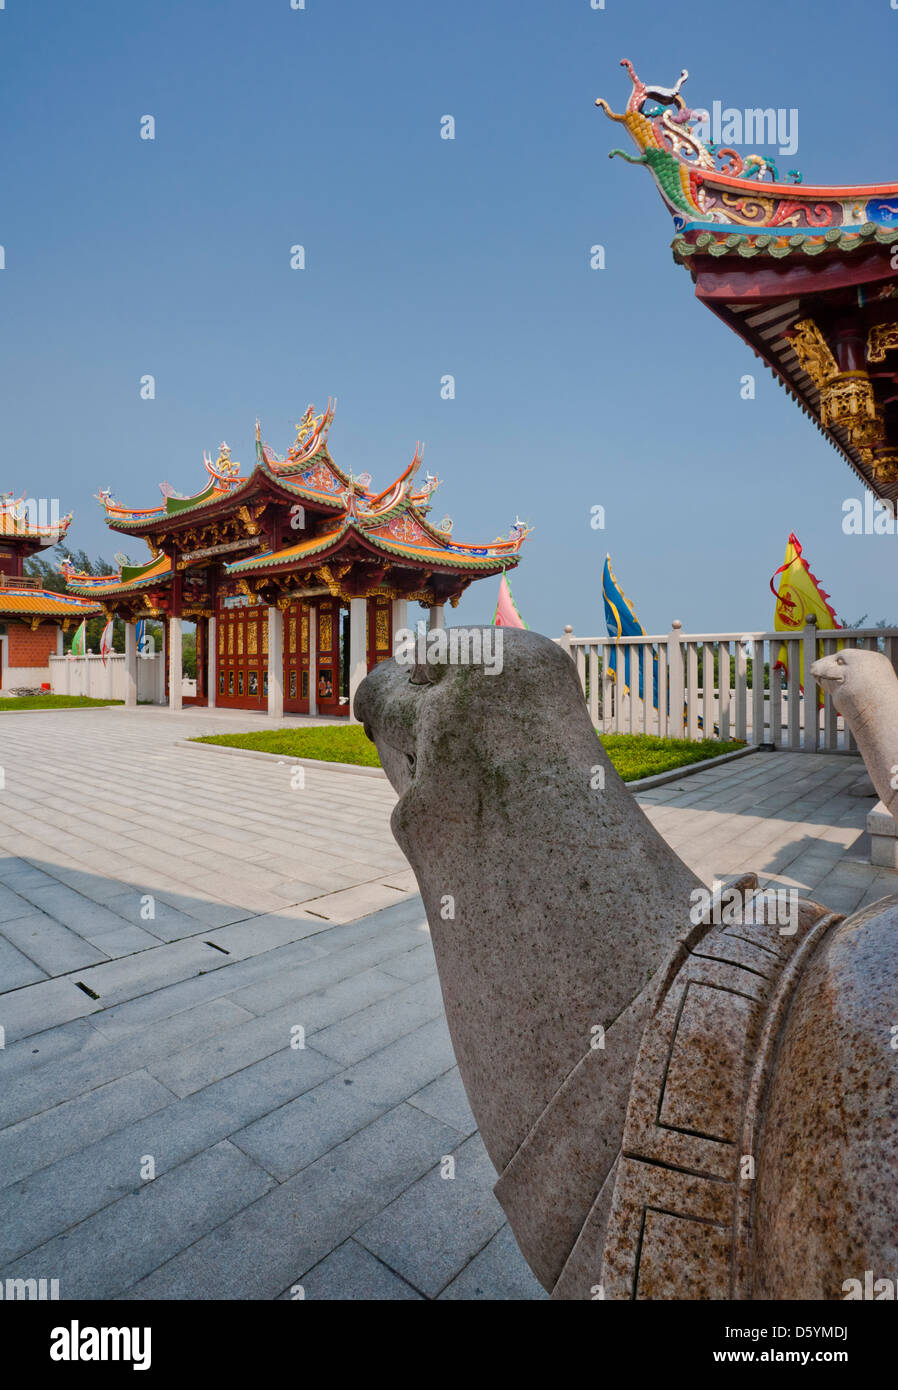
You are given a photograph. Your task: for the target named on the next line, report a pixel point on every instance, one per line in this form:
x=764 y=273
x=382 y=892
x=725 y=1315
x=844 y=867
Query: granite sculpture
x=864 y=689
x=680 y=1101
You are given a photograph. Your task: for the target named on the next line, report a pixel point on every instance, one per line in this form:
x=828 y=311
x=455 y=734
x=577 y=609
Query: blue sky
x=424 y=257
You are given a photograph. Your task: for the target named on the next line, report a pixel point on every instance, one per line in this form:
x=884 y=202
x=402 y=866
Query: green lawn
x=633 y=755
x=641 y=755
x=328 y=743
x=52 y=702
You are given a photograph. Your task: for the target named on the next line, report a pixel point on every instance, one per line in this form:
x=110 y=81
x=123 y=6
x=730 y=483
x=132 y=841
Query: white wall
x=86 y=675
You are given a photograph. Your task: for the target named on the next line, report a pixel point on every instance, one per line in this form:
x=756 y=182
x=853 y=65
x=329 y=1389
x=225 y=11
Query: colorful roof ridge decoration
x=707 y=187
x=311 y=439
x=806 y=275
x=394 y=524
x=21 y=518
x=127 y=577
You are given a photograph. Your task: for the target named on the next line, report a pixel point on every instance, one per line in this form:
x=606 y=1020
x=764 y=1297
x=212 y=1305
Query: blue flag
x=621 y=621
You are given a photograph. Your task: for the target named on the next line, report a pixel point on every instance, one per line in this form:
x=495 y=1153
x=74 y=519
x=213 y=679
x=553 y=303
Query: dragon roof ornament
x=706 y=185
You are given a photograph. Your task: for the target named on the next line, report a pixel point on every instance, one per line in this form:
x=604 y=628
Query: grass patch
x=52 y=702
x=328 y=743
x=633 y=755
x=641 y=755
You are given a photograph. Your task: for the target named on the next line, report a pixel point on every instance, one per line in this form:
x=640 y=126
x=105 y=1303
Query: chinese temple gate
x=807 y=276
x=297 y=575
x=32 y=619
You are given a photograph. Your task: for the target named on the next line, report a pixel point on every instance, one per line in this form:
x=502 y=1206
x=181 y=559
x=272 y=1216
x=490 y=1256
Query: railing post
x=809 y=654
x=565 y=643
x=608 y=691
x=675 y=680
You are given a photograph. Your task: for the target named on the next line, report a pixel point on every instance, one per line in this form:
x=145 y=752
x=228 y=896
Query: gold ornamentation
x=305 y=633
x=221 y=638
x=885 y=466
x=880 y=339
x=748 y=212
x=264 y=626
x=327 y=577
x=252 y=526
x=251 y=639
x=382 y=628
x=847 y=402
x=231 y=638
x=325 y=631
x=309 y=424
x=813 y=352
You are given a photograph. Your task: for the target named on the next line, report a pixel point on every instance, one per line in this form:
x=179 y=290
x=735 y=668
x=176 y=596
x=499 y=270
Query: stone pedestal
x=883 y=831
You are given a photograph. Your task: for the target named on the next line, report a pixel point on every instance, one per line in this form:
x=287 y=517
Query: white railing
x=745 y=698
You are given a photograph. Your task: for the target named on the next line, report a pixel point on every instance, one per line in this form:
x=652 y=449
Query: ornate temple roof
x=125 y=579
x=16 y=599
x=17 y=524
x=307 y=474
x=22 y=532
x=389 y=528
x=807 y=275
x=714 y=188
x=394 y=523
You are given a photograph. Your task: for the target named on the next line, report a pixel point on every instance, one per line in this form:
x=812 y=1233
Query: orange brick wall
x=27 y=648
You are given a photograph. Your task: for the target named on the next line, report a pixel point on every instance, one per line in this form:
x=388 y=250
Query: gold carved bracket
x=881 y=338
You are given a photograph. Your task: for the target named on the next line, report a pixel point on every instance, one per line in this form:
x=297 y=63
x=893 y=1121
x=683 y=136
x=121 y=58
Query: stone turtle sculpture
x=677 y=1106
x=864 y=689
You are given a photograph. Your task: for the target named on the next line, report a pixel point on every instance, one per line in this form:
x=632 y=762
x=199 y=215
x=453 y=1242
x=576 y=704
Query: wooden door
x=378 y=631
x=328 y=674
x=242 y=657
x=296 y=658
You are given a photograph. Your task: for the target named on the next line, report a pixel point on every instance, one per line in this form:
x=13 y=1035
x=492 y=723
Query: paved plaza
x=227 y=1072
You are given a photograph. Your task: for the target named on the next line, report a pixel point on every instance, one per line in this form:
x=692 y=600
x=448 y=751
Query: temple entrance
x=242 y=658
x=316 y=653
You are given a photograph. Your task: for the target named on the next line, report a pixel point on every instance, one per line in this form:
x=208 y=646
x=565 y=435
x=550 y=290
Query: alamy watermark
x=868 y=516
x=454 y=646
x=735 y=907
x=728 y=126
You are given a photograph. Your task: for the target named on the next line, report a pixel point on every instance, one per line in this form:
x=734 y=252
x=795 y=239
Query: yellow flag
x=799 y=595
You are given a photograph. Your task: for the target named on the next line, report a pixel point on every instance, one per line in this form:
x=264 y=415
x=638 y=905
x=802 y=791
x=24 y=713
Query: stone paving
x=223 y=982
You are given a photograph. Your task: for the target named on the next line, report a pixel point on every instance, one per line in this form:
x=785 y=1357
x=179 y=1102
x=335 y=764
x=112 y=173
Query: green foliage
x=643 y=755
x=633 y=755
x=188 y=654
x=325 y=743
x=52 y=702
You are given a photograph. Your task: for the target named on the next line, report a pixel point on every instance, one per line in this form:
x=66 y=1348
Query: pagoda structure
x=806 y=275
x=32 y=619
x=296 y=573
